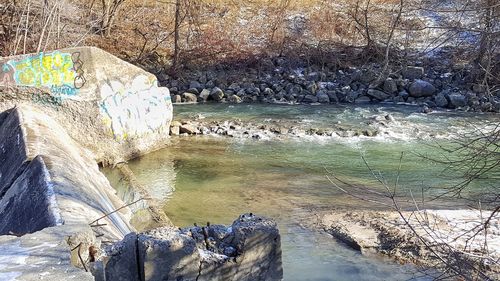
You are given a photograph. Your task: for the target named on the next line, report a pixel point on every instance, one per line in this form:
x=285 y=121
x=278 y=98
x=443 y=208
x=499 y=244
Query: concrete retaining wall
x=109 y=106
x=56 y=181
x=49 y=181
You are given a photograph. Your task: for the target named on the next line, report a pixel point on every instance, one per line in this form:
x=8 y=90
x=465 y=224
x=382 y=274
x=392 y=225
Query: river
x=214 y=178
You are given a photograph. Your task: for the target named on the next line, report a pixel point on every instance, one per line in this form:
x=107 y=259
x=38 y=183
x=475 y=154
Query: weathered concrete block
x=166 y=254
x=66 y=175
x=106 y=104
x=248 y=250
x=44 y=255
x=29 y=205
x=123 y=264
x=258 y=242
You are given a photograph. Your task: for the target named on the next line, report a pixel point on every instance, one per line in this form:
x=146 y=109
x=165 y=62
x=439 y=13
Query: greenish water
x=215 y=179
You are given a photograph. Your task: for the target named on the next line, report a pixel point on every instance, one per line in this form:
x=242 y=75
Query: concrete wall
x=111 y=107
x=52 y=188
x=54 y=181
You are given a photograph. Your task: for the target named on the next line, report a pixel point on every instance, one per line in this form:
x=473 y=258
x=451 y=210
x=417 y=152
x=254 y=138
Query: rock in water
x=421 y=88
x=310 y=99
x=323 y=98
x=217 y=94
x=235 y=99
x=204 y=95
x=189 y=97
x=376 y=94
x=457 y=100
x=177 y=99
x=441 y=100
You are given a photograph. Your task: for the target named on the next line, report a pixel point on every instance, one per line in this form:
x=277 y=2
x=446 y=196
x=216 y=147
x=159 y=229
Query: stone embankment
x=423 y=237
x=61 y=113
x=279 y=82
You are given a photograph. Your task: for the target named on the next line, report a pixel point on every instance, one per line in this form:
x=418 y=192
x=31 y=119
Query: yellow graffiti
x=49 y=70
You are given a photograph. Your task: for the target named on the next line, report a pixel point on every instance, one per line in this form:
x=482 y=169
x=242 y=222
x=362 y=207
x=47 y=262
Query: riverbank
x=436 y=239
x=281 y=80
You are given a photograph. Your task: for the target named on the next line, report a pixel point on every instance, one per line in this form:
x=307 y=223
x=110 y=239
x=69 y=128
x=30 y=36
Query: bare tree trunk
x=484 y=44
x=176 y=34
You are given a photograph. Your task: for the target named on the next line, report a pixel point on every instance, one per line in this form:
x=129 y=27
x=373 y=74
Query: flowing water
x=213 y=178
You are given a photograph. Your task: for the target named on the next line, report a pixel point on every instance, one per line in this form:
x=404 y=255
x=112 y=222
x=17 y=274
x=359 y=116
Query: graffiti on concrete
x=137 y=108
x=61 y=72
x=47 y=100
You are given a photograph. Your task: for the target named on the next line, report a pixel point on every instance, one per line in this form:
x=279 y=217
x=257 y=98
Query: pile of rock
x=270 y=130
x=280 y=84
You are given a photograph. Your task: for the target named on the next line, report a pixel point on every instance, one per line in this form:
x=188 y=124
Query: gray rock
x=235 y=99
x=193 y=91
x=177 y=99
x=378 y=95
x=362 y=99
x=175 y=128
x=310 y=99
x=421 y=88
x=478 y=88
x=457 y=100
x=441 y=100
x=312 y=88
x=204 y=95
x=189 y=97
x=195 y=84
x=210 y=84
x=390 y=86
x=333 y=96
x=217 y=94
x=413 y=72
x=366 y=76
x=188 y=129
x=323 y=98
x=234 y=86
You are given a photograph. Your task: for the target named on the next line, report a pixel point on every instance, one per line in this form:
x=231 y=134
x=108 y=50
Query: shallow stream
x=213 y=178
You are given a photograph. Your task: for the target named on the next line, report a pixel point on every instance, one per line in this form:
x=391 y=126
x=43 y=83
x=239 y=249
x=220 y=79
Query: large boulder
x=413 y=72
x=189 y=97
x=420 y=88
x=390 y=86
x=217 y=94
x=310 y=99
x=235 y=99
x=378 y=95
x=441 y=100
x=457 y=100
x=323 y=97
x=204 y=95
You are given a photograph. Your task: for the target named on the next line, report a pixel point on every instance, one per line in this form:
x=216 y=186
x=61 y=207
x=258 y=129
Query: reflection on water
x=216 y=179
